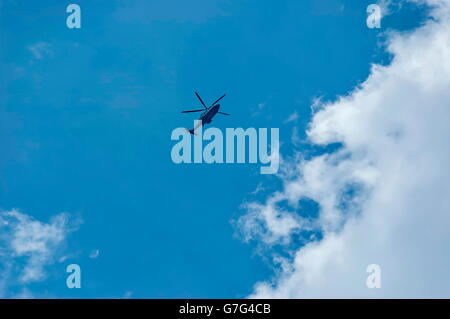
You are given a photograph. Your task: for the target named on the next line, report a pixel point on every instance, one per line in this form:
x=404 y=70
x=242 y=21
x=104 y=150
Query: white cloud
x=94 y=254
x=316 y=103
x=258 y=189
x=292 y=118
x=384 y=197
x=41 y=49
x=28 y=245
x=295 y=136
x=386 y=7
x=259 y=108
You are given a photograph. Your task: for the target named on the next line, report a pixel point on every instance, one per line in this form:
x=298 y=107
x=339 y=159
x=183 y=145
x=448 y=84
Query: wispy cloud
x=295 y=136
x=27 y=245
x=292 y=118
x=389 y=7
x=94 y=254
x=41 y=49
x=256 y=111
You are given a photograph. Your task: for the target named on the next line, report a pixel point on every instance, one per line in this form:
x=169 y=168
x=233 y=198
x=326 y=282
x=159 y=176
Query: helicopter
x=208 y=112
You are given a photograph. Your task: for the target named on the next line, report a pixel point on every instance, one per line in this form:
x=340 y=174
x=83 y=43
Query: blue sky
x=86 y=117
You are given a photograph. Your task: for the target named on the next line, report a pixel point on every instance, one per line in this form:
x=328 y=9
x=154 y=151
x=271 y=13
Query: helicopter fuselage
x=207 y=116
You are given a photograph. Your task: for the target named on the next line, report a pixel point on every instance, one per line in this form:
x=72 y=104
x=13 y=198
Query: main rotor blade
x=218 y=99
x=223 y=113
x=192 y=111
x=201 y=101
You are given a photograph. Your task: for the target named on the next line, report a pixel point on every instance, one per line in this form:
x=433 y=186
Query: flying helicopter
x=208 y=112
